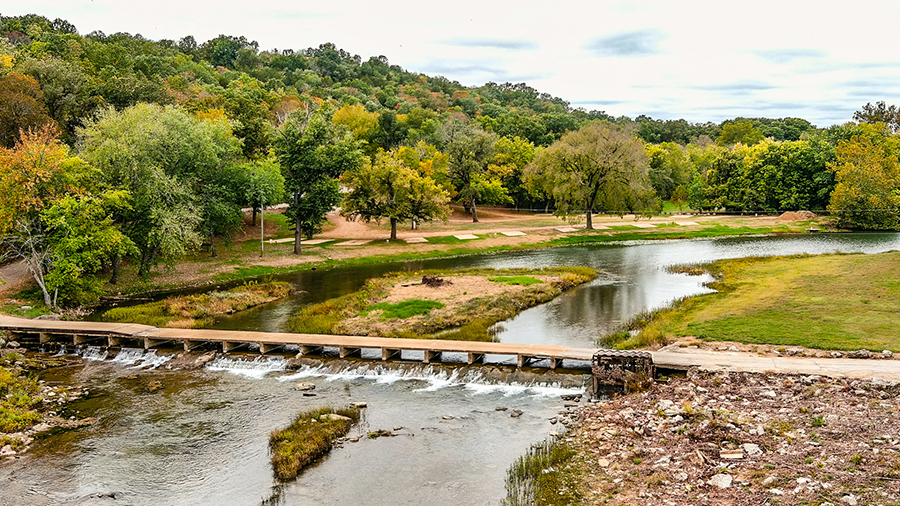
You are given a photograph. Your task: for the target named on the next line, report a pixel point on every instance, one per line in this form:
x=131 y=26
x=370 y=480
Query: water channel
x=202 y=438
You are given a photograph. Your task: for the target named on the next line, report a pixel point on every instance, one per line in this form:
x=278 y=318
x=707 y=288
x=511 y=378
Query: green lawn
x=839 y=302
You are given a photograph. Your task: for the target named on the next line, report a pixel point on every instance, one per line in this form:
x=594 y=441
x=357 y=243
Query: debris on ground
x=744 y=438
x=435 y=281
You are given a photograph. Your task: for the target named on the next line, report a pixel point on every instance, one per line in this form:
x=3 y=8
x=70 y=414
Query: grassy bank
x=545 y=476
x=308 y=437
x=19 y=397
x=195 y=311
x=450 y=313
x=837 y=302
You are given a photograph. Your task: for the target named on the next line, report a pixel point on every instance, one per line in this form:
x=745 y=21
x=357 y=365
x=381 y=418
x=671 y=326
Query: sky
x=697 y=60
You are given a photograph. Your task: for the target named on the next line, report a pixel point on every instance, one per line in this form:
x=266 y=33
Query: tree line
x=118 y=148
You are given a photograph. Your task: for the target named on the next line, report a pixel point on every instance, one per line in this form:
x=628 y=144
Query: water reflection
x=633 y=279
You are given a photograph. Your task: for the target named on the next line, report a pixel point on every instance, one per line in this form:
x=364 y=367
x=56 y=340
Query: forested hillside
x=151 y=148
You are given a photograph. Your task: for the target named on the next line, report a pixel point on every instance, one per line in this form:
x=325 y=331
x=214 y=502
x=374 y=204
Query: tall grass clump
x=543 y=477
x=195 y=311
x=308 y=437
x=18 y=400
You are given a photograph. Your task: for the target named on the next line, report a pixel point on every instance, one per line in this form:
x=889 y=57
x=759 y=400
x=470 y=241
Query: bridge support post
x=523 y=360
x=554 y=363
x=231 y=346
x=82 y=339
x=432 y=356
x=387 y=354
x=44 y=337
x=266 y=348
x=153 y=343
x=347 y=351
x=310 y=350
x=475 y=358
x=190 y=345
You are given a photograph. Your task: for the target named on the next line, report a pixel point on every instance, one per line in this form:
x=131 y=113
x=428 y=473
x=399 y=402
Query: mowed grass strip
x=404 y=309
x=516 y=280
x=308 y=437
x=837 y=302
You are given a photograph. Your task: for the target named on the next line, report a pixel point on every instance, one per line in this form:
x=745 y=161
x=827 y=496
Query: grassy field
x=836 y=302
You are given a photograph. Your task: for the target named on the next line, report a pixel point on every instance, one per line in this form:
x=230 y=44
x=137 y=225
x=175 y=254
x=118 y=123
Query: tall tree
x=311 y=149
x=264 y=186
x=600 y=167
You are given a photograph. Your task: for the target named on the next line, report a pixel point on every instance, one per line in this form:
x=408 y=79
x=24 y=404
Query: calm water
x=202 y=439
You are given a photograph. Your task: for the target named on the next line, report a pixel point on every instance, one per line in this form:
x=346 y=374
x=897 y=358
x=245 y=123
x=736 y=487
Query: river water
x=202 y=439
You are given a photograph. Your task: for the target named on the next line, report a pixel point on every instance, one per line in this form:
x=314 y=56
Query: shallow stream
x=202 y=438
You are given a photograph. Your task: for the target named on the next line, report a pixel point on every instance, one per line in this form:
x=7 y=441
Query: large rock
x=303 y=387
x=335 y=417
x=720 y=481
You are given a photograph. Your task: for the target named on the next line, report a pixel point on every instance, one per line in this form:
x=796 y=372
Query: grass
x=516 y=280
x=834 y=302
x=545 y=476
x=405 y=309
x=195 y=311
x=18 y=396
x=667 y=233
x=308 y=437
x=471 y=321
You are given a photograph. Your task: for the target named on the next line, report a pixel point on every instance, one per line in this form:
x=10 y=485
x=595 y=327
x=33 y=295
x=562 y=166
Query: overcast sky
x=697 y=60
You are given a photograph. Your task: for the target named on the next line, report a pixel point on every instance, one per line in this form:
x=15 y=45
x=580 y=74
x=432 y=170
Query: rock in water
x=304 y=387
x=334 y=417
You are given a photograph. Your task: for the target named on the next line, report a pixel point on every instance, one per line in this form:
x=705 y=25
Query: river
x=202 y=438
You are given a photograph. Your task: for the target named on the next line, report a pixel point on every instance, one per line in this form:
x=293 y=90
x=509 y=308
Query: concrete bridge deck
x=117 y=334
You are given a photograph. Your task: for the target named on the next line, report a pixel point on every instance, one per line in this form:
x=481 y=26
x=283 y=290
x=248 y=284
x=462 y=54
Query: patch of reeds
x=543 y=477
x=308 y=437
x=199 y=310
x=18 y=400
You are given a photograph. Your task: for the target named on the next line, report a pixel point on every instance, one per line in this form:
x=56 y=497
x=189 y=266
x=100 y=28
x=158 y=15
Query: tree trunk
x=393 y=228
x=254 y=218
x=212 y=245
x=116 y=266
x=297 y=231
x=589 y=225
x=415 y=224
x=147 y=261
x=474 y=213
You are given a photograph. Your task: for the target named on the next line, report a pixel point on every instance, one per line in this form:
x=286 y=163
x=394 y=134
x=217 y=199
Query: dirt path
x=14 y=275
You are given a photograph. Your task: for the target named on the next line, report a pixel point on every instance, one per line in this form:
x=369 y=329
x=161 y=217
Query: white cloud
x=694 y=59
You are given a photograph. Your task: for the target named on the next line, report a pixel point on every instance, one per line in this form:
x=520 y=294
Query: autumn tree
x=741 y=131
x=312 y=149
x=49 y=219
x=21 y=107
x=600 y=167
x=387 y=188
x=867 y=194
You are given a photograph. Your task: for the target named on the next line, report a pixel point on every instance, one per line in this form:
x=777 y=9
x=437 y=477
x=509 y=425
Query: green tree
x=599 y=167
x=308 y=213
x=312 y=149
x=164 y=158
x=470 y=150
x=387 y=188
x=867 y=194
x=742 y=131
x=879 y=112
x=264 y=185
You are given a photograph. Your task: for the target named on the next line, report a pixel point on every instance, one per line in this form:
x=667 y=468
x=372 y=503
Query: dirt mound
x=797 y=216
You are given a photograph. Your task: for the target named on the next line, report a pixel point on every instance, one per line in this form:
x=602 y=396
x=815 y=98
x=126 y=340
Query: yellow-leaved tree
x=867 y=194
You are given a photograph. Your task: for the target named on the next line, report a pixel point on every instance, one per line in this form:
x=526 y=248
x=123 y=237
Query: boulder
x=335 y=417
x=303 y=387
x=720 y=481
x=860 y=354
